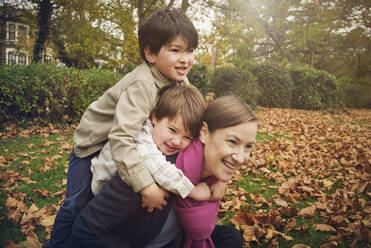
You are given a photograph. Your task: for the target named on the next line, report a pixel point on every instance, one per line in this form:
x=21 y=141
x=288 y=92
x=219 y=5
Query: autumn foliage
x=307 y=183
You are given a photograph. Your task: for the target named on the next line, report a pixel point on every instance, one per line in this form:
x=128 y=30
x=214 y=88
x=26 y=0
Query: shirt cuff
x=187 y=188
x=141 y=179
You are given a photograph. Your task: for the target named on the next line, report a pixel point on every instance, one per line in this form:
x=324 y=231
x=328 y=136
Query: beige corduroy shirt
x=118 y=116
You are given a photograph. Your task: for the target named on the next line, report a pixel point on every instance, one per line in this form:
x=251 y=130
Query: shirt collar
x=160 y=79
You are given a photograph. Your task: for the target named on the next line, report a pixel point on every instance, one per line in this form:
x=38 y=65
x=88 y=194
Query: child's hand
x=217 y=190
x=153 y=196
x=201 y=192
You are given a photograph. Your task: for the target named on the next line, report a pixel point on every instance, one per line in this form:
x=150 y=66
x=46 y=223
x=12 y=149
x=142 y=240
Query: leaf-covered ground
x=307 y=184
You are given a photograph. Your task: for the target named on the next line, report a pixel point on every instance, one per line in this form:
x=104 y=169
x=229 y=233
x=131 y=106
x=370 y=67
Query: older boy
x=167 y=40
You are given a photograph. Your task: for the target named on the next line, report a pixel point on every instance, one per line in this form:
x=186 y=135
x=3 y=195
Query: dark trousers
x=78 y=194
x=223 y=236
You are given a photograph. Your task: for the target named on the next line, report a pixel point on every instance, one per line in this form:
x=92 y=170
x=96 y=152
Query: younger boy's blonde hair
x=185 y=100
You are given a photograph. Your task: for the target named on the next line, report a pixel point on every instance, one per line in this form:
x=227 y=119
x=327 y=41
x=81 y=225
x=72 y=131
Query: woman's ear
x=150 y=57
x=153 y=118
x=204 y=132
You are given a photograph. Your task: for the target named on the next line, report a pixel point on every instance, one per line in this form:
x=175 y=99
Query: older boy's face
x=170 y=136
x=174 y=60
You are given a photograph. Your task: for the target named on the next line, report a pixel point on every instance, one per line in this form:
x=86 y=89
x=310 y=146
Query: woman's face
x=225 y=150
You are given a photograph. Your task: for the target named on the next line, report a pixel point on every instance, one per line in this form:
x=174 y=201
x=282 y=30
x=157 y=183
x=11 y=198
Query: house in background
x=16 y=44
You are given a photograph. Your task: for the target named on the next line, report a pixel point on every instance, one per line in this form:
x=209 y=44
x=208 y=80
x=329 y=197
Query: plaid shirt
x=165 y=173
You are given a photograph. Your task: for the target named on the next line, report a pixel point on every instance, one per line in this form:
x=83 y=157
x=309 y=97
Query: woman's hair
x=227 y=111
x=185 y=100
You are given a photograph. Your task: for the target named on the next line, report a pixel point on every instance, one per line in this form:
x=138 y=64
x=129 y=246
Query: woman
x=113 y=219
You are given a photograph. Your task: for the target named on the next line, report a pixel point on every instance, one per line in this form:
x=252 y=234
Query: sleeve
x=133 y=107
x=103 y=168
x=166 y=174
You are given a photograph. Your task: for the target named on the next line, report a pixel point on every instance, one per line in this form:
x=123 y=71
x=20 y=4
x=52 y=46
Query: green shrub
x=86 y=86
x=199 y=77
x=314 y=89
x=354 y=93
x=275 y=85
x=230 y=80
x=48 y=93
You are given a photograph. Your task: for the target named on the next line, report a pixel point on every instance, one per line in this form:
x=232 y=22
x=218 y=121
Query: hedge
x=313 y=89
x=48 y=93
x=233 y=81
x=355 y=94
x=199 y=77
x=274 y=83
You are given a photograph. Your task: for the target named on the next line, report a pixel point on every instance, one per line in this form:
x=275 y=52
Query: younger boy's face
x=170 y=136
x=174 y=60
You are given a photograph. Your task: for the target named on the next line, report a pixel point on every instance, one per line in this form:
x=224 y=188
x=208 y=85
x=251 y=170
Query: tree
x=45 y=10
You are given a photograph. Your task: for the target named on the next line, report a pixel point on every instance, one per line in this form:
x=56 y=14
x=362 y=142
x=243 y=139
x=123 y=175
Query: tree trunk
x=43 y=21
x=184 y=6
x=140 y=11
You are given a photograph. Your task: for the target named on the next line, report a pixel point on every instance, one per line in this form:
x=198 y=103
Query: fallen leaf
x=300 y=246
x=324 y=228
x=329 y=244
x=280 y=202
x=42 y=193
x=48 y=221
x=307 y=212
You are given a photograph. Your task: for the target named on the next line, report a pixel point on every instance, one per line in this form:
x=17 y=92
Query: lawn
x=307 y=183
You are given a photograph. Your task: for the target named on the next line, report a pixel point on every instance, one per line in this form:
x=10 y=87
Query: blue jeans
x=78 y=194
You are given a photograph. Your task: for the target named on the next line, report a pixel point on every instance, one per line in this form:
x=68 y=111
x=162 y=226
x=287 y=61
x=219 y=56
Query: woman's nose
x=239 y=156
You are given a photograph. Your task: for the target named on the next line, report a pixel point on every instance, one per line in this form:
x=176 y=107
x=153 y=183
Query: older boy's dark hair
x=185 y=100
x=162 y=27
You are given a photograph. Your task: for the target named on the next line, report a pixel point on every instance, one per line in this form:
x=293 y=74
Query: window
x=22 y=59
x=11 y=58
x=11 y=31
x=22 y=32
x=47 y=59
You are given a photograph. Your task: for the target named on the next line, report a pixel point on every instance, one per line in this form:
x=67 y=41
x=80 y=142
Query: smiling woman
x=228 y=134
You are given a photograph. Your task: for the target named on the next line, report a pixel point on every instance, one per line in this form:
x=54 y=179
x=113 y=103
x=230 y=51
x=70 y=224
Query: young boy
x=167 y=41
x=173 y=125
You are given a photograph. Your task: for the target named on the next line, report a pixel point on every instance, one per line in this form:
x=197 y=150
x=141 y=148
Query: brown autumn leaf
x=27 y=180
x=15 y=209
x=32 y=241
x=23 y=154
x=43 y=193
x=248 y=233
x=300 y=246
x=48 y=220
x=324 y=228
x=329 y=244
x=280 y=202
x=307 y=212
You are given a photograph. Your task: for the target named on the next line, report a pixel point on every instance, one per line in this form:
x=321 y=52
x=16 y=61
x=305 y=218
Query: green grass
x=39 y=167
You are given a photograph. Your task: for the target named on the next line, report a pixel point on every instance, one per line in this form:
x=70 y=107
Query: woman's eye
x=232 y=142
x=189 y=138
x=191 y=50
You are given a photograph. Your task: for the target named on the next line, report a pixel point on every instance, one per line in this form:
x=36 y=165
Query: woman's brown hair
x=227 y=111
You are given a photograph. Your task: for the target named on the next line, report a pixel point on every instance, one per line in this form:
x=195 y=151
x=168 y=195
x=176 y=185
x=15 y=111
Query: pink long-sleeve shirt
x=198 y=218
